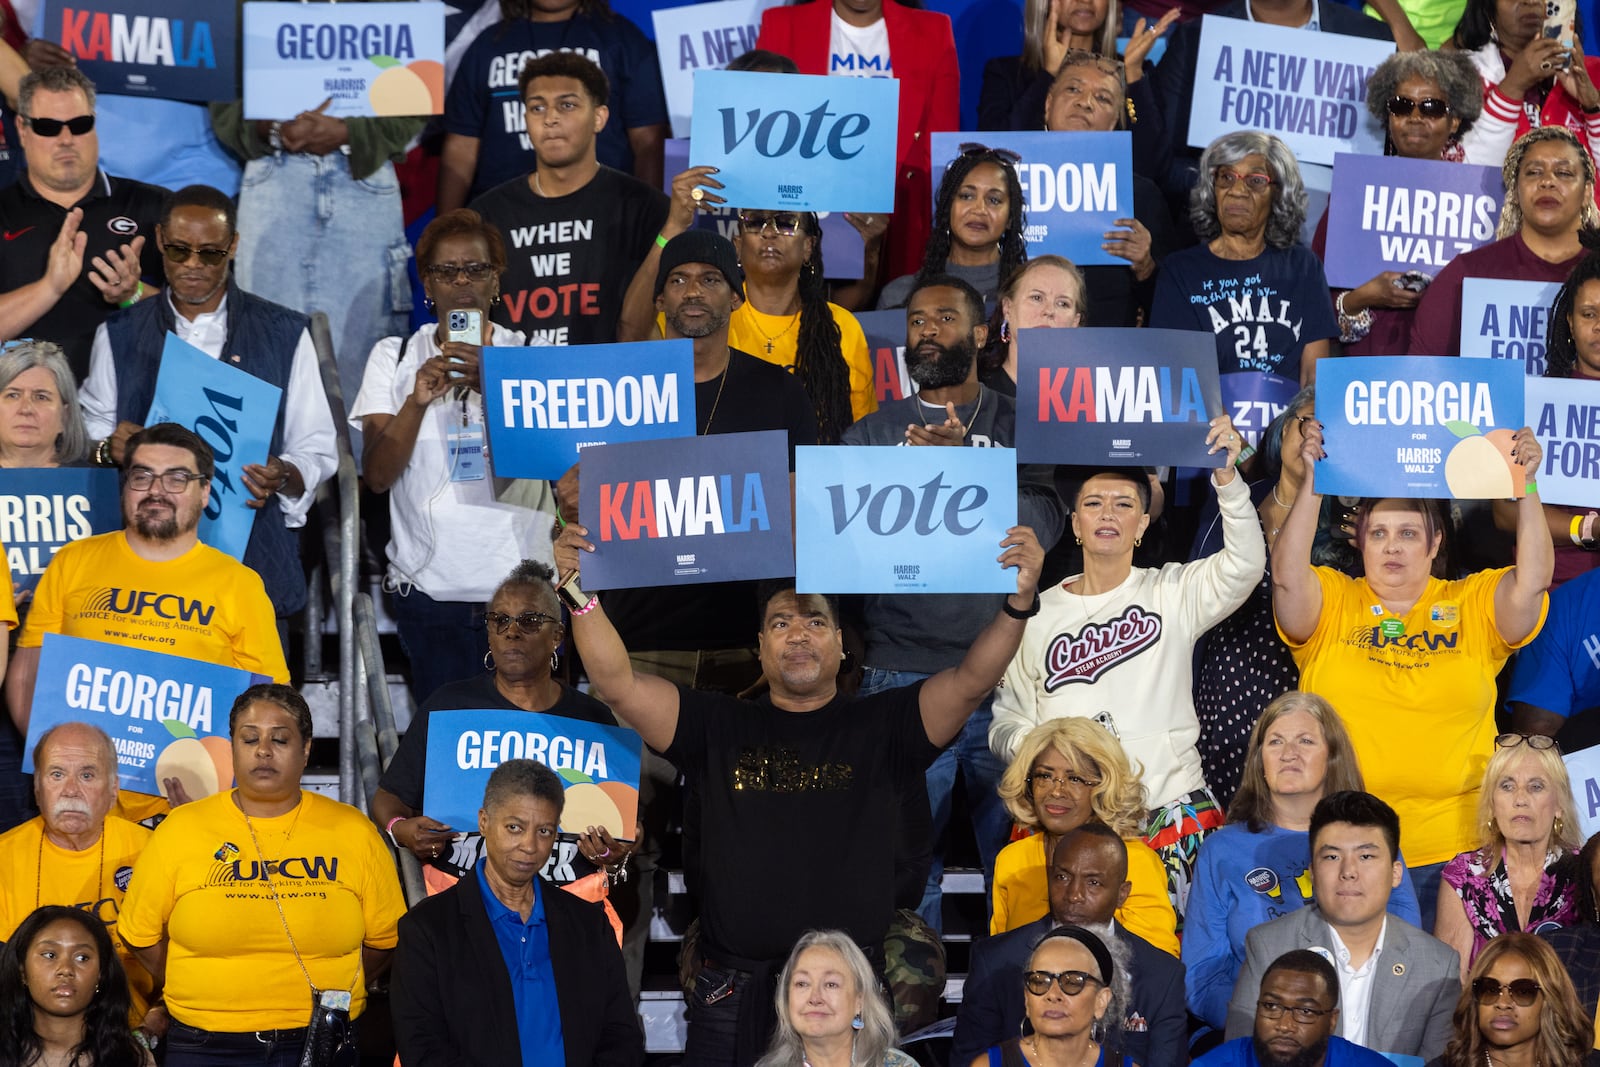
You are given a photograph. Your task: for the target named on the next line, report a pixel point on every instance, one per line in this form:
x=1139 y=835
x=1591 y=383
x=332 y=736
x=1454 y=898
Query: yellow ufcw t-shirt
x=202 y=883
x=1417 y=695
x=205 y=604
x=35 y=870
x=8 y=598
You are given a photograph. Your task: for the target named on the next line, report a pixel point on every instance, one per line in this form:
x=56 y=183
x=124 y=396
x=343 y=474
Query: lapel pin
x=1399 y=969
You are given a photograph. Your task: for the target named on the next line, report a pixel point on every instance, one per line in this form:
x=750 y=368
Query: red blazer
x=922 y=50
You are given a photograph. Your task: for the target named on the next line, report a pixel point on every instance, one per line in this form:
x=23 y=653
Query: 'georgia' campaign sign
x=1505 y=319
x=1308 y=88
x=696 y=509
x=698 y=37
x=43 y=508
x=1565 y=416
x=598 y=765
x=1133 y=398
x=886 y=344
x=1391 y=213
x=372 y=60
x=1418 y=426
x=234 y=412
x=878 y=519
x=167 y=716
x=798 y=141
x=842 y=248
x=165 y=49
x=541 y=407
x=1075 y=186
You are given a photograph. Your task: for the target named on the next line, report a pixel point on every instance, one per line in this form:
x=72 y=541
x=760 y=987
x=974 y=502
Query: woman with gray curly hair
x=1249 y=283
x=40 y=424
x=1424 y=102
x=830 y=1009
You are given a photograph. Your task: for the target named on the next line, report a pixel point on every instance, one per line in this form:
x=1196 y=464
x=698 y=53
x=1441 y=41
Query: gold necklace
x=793 y=319
x=1092 y=1056
x=720 y=385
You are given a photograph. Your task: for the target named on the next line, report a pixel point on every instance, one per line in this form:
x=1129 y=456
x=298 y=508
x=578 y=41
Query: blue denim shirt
x=526 y=948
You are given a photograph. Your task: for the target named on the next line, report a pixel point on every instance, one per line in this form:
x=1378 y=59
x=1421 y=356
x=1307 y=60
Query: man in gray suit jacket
x=1397 y=985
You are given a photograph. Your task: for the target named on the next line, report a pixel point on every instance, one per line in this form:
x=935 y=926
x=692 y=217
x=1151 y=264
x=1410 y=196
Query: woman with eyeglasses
x=1524 y=876
x=1550 y=199
x=1255 y=869
x=421 y=413
x=1067 y=994
x=1425 y=102
x=1068 y=772
x=1518 y=1009
x=1247 y=209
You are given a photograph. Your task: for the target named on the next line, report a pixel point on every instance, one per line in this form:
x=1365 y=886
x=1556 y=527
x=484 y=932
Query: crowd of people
x=1256 y=775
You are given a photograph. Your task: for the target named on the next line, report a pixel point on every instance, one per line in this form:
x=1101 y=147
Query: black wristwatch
x=1033 y=609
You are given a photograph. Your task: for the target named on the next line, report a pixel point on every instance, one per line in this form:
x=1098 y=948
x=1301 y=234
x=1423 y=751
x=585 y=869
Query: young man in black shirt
x=576 y=230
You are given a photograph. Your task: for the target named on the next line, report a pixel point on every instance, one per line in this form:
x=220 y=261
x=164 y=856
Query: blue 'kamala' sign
x=167 y=49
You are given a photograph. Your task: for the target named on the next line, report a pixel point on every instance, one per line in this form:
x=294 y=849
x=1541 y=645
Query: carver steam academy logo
x=1098 y=647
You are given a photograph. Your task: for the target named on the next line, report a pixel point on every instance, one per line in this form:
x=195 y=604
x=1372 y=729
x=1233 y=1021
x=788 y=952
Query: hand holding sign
x=689 y=192
x=1023 y=551
x=1221 y=436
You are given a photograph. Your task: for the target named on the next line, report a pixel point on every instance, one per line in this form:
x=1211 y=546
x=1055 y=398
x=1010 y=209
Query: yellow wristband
x=1576 y=531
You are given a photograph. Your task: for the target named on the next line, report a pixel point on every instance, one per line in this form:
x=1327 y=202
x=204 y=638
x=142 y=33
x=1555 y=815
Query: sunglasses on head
x=1430 y=107
x=1524 y=991
x=53 y=127
x=973 y=148
x=181 y=253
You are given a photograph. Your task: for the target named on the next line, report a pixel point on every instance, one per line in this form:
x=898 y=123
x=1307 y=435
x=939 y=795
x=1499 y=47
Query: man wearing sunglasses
x=74 y=241
x=1397 y=985
x=1296 y=1016
x=205 y=307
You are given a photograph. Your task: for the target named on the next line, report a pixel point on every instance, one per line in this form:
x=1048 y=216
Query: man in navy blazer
x=1088 y=882
x=452 y=993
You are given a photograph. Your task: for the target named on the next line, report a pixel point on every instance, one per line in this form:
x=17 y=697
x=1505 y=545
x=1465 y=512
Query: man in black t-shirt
x=61 y=291
x=576 y=231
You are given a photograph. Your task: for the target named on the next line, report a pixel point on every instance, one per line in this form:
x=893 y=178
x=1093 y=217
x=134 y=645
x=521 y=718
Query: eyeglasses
x=784 y=223
x=1524 y=991
x=53 y=127
x=141 y=479
x=1044 y=781
x=1300 y=422
x=1431 y=107
x=529 y=622
x=179 y=254
x=973 y=148
x=1256 y=183
x=1303 y=1015
x=1538 y=742
x=1071 y=982
x=449 y=272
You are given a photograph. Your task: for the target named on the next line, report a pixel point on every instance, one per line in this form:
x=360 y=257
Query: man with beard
x=152 y=585
x=910 y=636
x=1297 y=1013
x=76 y=853
x=202 y=304
x=1088 y=883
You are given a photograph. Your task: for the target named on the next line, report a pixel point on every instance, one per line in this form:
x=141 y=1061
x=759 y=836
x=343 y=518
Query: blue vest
x=262 y=337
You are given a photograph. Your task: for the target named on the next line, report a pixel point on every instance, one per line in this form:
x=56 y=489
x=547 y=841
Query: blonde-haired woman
x=1068 y=772
x=1525 y=875
x=1255 y=869
x=830 y=1012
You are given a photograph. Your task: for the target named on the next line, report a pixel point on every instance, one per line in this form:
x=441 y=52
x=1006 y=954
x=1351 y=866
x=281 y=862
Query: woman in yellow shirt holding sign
x=1410 y=658
x=266 y=906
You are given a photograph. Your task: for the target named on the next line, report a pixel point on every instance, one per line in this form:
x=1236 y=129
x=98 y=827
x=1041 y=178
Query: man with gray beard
x=1088 y=881
x=76 y=853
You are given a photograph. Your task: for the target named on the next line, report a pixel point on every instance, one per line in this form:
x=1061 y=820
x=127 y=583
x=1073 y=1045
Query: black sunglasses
x=1071 y=982
x=1431 y=107
x=1524 y=991
x=973 y=148
x=181 y=253
x=53 y=127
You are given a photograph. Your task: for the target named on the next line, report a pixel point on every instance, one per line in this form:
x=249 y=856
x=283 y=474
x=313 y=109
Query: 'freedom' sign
x=1505 y=319
x=167 y=716
x=1565 y=416
x=1308 y=88
x=697 y=509
x=541 y=407
x=374 y=60
x=1391 y=213
x=699 y=37
x=598 y=766
x=798 y=141
x=43 y=508
x=1418 y=426
x=1135 y=398
x=880 y=519
x=165 y=49
x=1075 y=186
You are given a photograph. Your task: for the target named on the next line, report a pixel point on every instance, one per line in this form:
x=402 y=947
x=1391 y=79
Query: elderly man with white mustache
x=78 y=854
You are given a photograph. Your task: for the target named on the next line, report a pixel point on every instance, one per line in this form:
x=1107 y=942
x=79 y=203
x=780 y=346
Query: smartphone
x=465 y=326
x=1560 y=24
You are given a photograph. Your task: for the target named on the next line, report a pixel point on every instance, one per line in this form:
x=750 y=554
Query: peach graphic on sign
x=413 y=89
x=204 y=765
x=1480 y=467
x=590 y=803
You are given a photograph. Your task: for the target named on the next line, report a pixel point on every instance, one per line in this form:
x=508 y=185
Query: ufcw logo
x=692 y=507
x=294 y=869
x=152 y=40
x=140 y=602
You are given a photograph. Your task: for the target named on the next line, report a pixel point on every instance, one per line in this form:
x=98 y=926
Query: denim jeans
x=445 y=640
x=713 y=1017
x=313 y=238
x=187 y=1046
x=980 y=769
